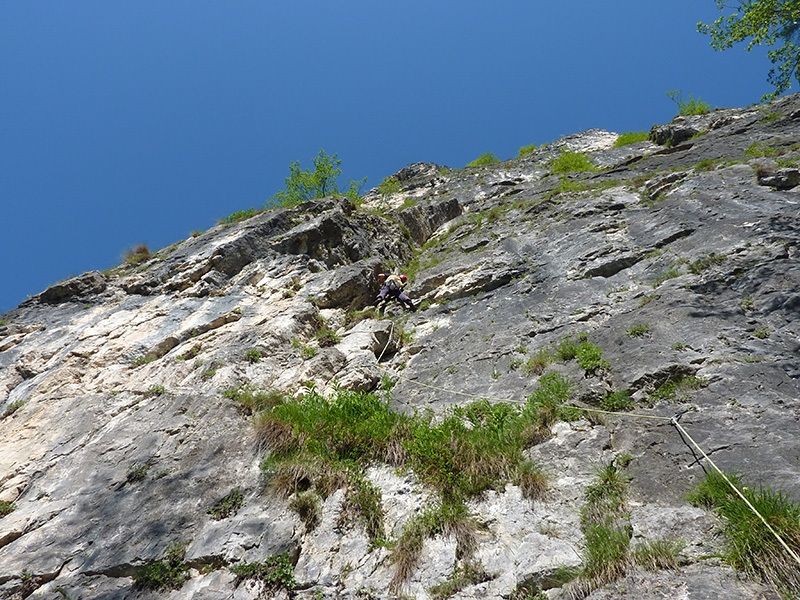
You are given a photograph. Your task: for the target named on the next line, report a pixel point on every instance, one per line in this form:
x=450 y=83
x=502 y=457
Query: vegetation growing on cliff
x=757 y=22
x=750 y=546
x=320 y=444
x=305 y=184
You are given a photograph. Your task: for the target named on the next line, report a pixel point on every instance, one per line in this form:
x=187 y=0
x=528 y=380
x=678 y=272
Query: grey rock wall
x=116 y=439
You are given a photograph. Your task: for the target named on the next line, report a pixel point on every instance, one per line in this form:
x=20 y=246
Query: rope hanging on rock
x=786 y=547
x=673 y=420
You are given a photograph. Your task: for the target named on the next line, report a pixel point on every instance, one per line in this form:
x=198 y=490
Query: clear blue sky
x=141 y=121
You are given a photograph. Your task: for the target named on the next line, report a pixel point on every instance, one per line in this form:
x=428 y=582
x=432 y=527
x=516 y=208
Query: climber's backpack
x=394 y=284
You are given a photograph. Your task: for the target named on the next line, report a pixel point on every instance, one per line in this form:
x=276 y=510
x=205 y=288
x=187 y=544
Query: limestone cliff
x=678 y=260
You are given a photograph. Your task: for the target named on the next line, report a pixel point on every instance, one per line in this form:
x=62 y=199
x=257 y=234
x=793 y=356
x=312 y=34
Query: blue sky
x=132 y=122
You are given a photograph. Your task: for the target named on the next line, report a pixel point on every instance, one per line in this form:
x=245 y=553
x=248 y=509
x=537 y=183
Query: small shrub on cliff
x=228 y=505
x=275 y=573
x=639 y=330
x=688 y=106
x=389 y=186
x=6 y=508
x=525 y=150
x=630 y=137
x=12 y=408
x=303 y=185
x=590 y=358
x=136 y=255
x=169 y=573
x=571 y=162
x=253 y=355
x=487 y=158
x=239 y=216
x=536 y=364
x=137 y=472
x=679 y=383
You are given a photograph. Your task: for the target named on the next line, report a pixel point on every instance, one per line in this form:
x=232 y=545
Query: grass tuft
x=169 y=573
x=631 y=137
x=228 y=505
x=750 y=547
x=572 y=162
x=275 y=573
x=6 y=508
x=487 y=158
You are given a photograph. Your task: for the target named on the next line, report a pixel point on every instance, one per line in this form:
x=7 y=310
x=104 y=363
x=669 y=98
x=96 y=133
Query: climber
x=392 y=287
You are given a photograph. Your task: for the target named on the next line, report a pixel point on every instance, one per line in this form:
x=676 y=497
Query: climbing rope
x=786 y=547
x=673 y=420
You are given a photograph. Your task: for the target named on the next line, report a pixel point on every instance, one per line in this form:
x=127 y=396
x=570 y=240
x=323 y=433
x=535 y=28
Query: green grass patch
x=275 y=573
x=680 y=384
x=538 y=362
x=762 y=333
x=750 y=547
x=228 y=505
x=487 y=158
x=254 y=400
x=239 y=215
x=526 y=150
x=6 y=508
x=658 y=555
x=647 y=299
x=617 y=401
x=316 y=445
x=761 y=150
x=631 y=137
x=169 y=573
x=701 y=264
x=638 y=330
x=451 y=520
x=666 y=275
x=253 y=355
x=590 y=358
x=308 y=507
x=571 y=162
x=12 y=408
x=464 y=576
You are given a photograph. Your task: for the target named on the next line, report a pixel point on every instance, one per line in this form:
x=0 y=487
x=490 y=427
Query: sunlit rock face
x=676 y=257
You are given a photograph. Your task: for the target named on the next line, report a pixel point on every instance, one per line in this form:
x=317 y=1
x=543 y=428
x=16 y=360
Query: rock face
x=680 y=262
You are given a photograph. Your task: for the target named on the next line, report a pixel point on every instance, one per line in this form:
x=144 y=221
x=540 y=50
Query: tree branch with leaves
x=762 y=22
x=305 y=184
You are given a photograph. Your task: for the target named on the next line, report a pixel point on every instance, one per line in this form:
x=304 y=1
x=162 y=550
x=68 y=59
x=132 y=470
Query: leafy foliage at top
x=690 y=106
x=767 y=22
x=487 y=158
x=305 y=184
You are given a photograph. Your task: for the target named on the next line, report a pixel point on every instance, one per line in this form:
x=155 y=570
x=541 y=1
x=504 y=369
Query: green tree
x=768 y=22
x=305 y=184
